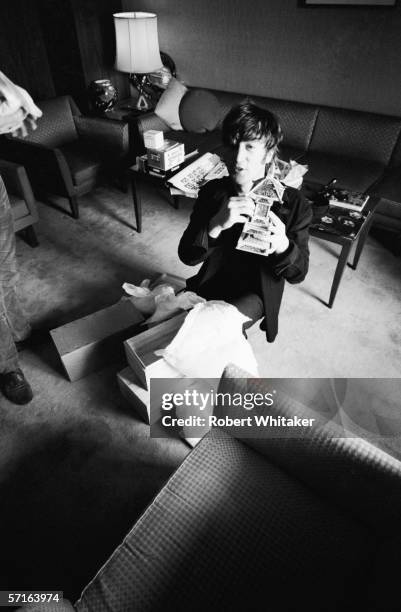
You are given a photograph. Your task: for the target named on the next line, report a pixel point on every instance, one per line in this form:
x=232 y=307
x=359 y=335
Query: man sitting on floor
x=253 y=283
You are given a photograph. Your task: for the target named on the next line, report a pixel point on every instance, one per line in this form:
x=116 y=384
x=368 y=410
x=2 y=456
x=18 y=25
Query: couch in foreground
x=362 y=150
x=277 y=524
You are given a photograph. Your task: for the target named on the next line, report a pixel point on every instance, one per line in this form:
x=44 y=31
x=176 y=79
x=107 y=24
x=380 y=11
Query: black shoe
x=15 y=387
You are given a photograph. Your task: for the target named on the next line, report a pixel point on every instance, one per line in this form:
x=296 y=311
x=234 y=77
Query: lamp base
x=144 y=97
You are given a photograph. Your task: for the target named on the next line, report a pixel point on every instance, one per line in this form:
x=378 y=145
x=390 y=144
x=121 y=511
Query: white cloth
x=210 y=338
x=16 y=105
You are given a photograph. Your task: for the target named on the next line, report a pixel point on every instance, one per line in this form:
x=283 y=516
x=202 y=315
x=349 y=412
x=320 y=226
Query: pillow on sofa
x=200 y=111
x=168 y=105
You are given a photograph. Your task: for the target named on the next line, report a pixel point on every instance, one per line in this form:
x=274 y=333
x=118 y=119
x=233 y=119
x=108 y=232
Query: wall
x=55 y=47
x=349 y=57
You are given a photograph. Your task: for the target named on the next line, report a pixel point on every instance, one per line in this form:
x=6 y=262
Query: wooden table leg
x=361 y=242
x=342 y=260
x=136 y=197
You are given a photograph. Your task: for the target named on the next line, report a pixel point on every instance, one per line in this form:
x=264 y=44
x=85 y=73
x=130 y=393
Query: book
x=350 y=200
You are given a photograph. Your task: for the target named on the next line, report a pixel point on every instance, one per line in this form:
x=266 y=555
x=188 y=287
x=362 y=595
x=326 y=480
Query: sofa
x=279 y=523
x=362 y=150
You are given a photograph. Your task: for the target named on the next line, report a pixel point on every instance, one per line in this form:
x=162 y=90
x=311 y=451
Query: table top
x=340 y=224
x=124 y=110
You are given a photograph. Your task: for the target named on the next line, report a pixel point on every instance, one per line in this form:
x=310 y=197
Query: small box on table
x=169 y=155
x=153 y=139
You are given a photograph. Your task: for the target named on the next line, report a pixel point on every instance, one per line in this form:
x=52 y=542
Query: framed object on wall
x=378 y=3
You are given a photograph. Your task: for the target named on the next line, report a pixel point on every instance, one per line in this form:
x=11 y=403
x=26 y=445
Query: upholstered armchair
x=21 y=198
x=68 y=152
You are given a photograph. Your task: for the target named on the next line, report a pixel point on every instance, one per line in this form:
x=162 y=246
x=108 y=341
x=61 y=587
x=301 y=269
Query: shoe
x=15 y=387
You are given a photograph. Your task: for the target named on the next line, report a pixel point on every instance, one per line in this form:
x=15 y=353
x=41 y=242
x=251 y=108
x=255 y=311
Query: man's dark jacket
x=197 y=246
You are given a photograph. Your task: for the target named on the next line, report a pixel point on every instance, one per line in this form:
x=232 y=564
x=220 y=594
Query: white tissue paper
x=210 y=338
x=160 y=302
x=292 y=173
x=167 y=305
x=142 y=297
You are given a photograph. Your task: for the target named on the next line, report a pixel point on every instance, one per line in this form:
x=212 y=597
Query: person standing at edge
x=18 y=113
x=252 y=283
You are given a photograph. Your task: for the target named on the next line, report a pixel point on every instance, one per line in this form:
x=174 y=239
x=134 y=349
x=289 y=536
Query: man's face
x=246 y=162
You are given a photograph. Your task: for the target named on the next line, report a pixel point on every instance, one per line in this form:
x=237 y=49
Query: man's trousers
x=13 y=325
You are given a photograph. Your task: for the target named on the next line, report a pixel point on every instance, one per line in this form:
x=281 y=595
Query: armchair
x=68 y=152
x=22 y=200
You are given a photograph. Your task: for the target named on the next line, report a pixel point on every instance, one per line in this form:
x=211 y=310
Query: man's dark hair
x=247 y=121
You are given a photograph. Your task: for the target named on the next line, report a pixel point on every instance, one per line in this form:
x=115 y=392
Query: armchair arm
x=12 y=177
x=106 y=133
x=17 y=183
x=45 y=166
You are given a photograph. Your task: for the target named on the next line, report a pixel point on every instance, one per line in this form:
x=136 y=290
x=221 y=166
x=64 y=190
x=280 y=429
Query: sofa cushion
x=355 y=134
x=84 y=163
x=297 y=120
x=57 y=126
x=389 y=185
x=357 y=174
x=209 y=141
x=168 y=105
x=199 y=111
x=287 y=153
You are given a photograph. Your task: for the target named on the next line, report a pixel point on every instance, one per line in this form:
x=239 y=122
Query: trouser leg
x=13 y=325
x=8 y=352
x=251 y=305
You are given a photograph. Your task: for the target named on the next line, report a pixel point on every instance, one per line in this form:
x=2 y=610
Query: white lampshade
x=137 y=43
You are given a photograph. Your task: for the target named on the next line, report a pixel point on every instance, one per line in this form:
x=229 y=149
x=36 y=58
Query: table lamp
x=137 y=50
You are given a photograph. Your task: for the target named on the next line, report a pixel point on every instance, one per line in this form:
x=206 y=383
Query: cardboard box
x=169 y=155
x=136 y=395
x=91 y=343
x=141 y=349
x=153 y=139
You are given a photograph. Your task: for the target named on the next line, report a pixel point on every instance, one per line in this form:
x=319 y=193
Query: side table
x=135 y=177
x=347 y=240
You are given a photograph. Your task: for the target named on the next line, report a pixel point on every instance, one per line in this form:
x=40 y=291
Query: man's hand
x=278 y=237
x=238 y=209
x=27 y=124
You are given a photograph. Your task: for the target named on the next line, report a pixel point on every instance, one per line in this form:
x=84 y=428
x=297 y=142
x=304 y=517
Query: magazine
x=189 y=180
x=350 y=200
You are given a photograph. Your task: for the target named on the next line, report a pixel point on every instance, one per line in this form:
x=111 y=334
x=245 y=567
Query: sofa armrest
x=150 y=121
x=389 y=186
x=109 y=134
